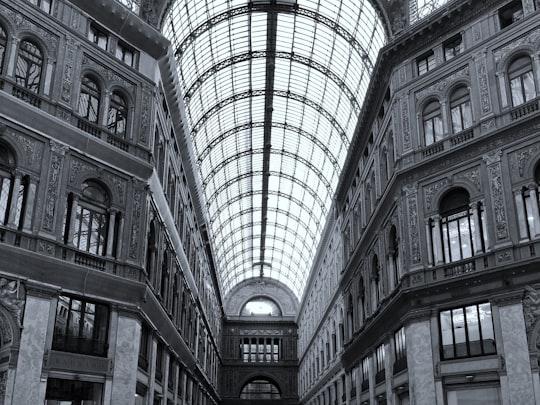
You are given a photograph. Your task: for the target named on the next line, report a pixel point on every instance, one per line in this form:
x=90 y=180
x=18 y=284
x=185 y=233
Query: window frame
x=484 y=349
x=91 y=96
x=4 y=41
x=425 y=63
x=31 y=60
x=520 y=74
x=96 y=34
x=460 y=101
x=432 y=114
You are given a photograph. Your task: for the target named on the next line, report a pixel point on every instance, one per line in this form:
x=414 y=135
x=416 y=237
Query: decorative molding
x=412 y=206
x=53 y=186
x=33 y=150
x=471 y=176
x=144 y=135
x=136 y=221
x=405 y=122
x=432 y=189
x=520 y=158
x=531 y=307
x=11 y=300
x=483 y=85
x=107 y=73
x=442 y=84
x=493 y=161
x=69 y=63
x=529 y=39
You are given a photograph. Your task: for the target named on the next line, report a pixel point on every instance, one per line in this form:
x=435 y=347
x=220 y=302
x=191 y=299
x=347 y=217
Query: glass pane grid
x=320 y=79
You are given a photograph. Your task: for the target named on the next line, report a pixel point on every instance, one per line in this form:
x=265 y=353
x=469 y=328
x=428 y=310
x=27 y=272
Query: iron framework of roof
x=272 y=90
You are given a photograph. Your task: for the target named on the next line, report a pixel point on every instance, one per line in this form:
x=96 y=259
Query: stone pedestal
x=126 y=353
x=420 y=363
x=26 y=389
x=516 y=354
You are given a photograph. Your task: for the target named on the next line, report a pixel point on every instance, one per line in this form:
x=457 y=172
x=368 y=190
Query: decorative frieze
x=53 y=186
x=483 y=85
x=439 y=86
x=493 y=162
x=521 y=158
x=530 y=39
x=431 y=189
x=414 y=233
x=405 y=126
x=110 y=75
x=33 y=150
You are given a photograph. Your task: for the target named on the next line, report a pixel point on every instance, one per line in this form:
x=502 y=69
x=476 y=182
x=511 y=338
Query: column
x=125 y=354
x=30 y=200
x=27 y=387
x=477 y=235
x=522 y=220
x=420 y=362
x=502 y=88
x=533 y=196
x=429 y=243
x=48 y=76
x=437 y=241
x=536 y=61
x=14 y=203
x=516 y=355
x=72 y=219
x=120 y=238
x=13 y=57
x=110 y=232
x=444 y=117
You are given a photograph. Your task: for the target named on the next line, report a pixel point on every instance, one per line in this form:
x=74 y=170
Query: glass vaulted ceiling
x=272 y=92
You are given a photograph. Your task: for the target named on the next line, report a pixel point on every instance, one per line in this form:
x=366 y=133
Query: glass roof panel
x=272 y=91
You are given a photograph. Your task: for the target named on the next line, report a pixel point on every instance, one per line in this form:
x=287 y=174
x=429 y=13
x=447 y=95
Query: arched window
x=377 y=281
x=460 y=109
x=528 y=205
x=29 y=66
x=460 y=228
x=350 y=316
x=433 y=126
x=521 y=78
x=3 y=45
x=91 y=222
x=260 y=388
x=361 y=301
x=260 y=306
x=394 y=255
x=117 y=115
x=13 y=189
x=89 y=99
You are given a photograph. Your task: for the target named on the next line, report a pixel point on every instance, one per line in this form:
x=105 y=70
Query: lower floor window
x=473 y=396
x=72 y=392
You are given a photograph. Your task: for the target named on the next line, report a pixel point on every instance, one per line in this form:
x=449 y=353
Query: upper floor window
x=452 y=47
x=13 y=191
x=521 y=78
x=81 y=326
x=89 y=232
x=89 y=99
x=45 y=5
x=117 y=116
x=460 y=109
x=29 y=66
x=528 y=207
x=379 y=364
x=261 y=306
x=511 y=13
x=433 y=125
x=365 y=373
x=425 y=63
x=467 y=331
x=125 y=54
x=460 y=228
x=98 y=36
x=400 y=350
x=3 y=45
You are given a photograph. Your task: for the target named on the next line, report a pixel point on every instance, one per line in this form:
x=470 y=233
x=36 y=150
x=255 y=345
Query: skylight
x=272 y=91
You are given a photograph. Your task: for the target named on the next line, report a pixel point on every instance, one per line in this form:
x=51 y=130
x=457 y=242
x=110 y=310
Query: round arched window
x=260 y=306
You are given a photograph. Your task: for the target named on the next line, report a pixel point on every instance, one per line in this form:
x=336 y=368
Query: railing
x=89 y=127
x=400 y=364
x=380 y=376
x=524 y=109
x=461 y=137
x=27 y=96
x=78 y=344
x=88 y=260
x=433 y=149
x=460 y=268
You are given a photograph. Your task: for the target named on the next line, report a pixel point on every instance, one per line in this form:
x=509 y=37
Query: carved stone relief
x=520 y=158
x=138 y=199
x=145 y=114
x=69 y=63
x=431 y=189
x=107 y=73
x=412 y=210
x=10 y=299
x=442 y=84
x=483 y=86
x=33 y=150
x=493 y=162
x=405 y=122
x=471 y=176
x=529 y=39
x=53 y=187
x=24 y=24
